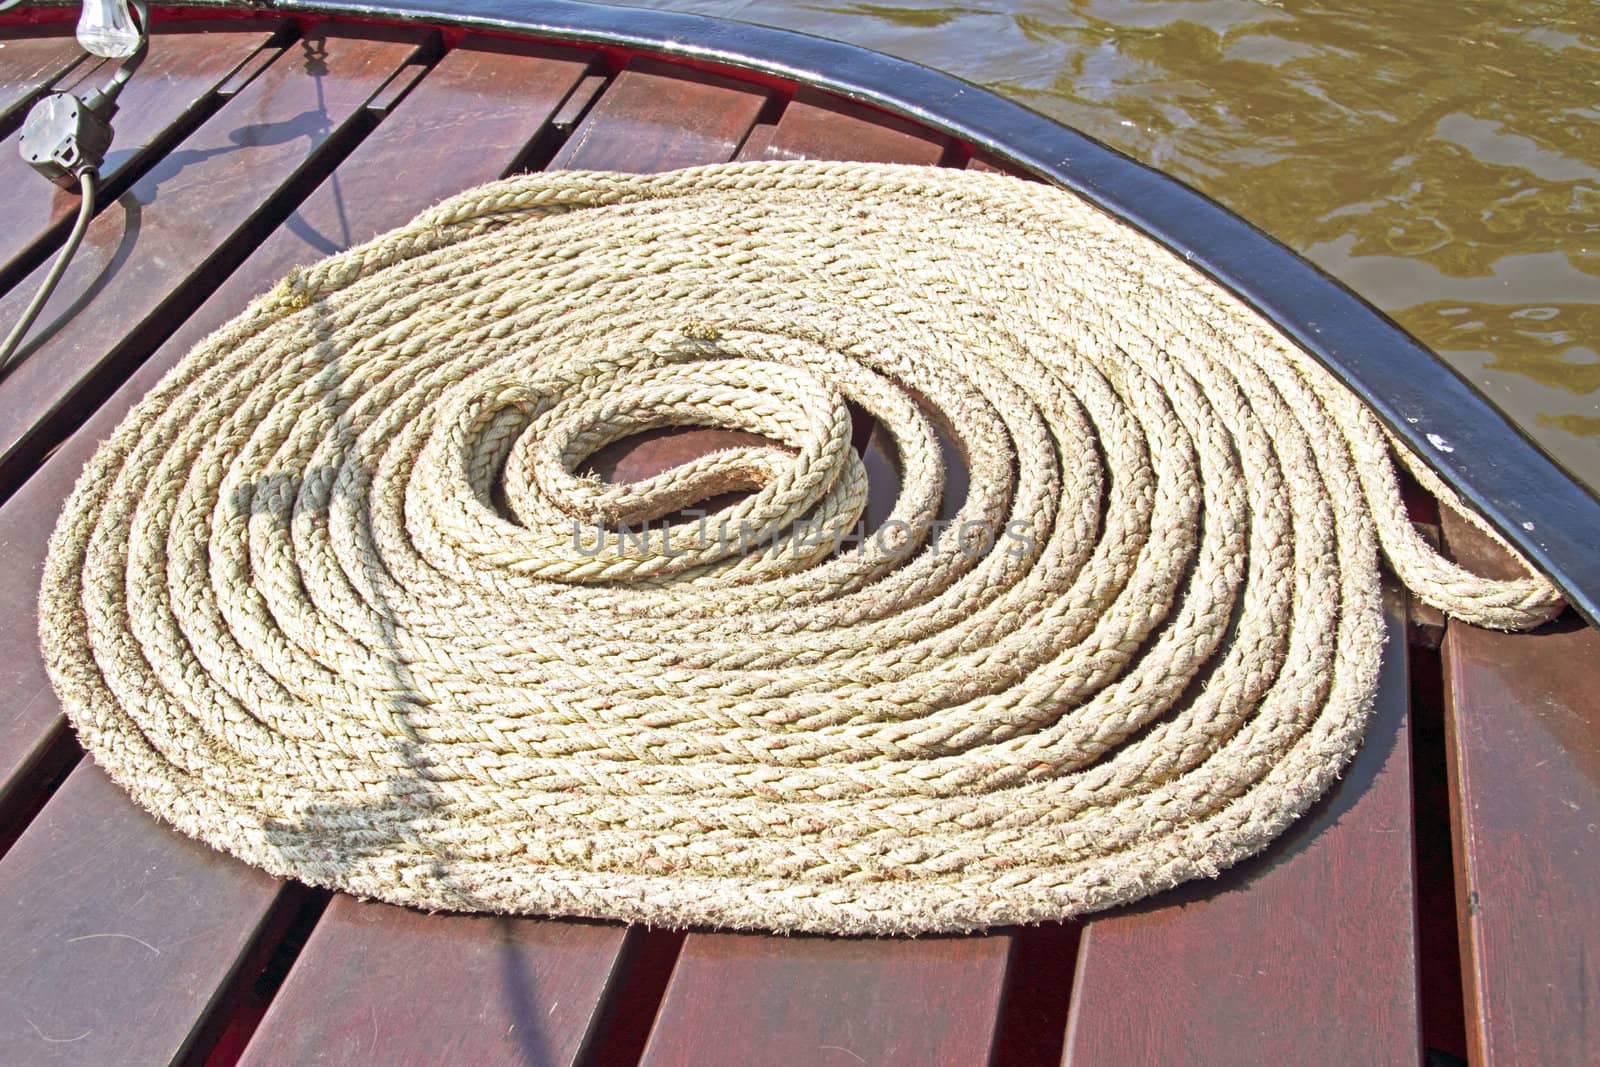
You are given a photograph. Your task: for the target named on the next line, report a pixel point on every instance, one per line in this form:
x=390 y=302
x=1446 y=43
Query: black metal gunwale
x=1440 y=416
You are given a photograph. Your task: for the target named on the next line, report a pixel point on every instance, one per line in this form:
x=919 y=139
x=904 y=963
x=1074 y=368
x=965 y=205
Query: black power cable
x=8 y=349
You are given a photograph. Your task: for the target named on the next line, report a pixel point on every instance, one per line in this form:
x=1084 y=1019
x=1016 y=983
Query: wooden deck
x=1444 y=897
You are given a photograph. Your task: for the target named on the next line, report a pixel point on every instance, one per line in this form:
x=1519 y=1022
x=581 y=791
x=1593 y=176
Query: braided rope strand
x=321 y=601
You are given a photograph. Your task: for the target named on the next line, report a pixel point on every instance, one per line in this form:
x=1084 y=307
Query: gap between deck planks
x=1523 y=743
x=129 y=874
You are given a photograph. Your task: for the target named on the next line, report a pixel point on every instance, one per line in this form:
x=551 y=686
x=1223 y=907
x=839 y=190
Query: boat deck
x=1444 y=897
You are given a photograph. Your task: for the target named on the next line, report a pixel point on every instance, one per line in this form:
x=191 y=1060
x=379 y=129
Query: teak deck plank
x=993 y=166
x=817 y=126
x=192 y=912
x=119 y=932
x=379 y=984
x=176 y=80
x=1305 y=954
x=458 y=109
x=1523 y=743
x=655 y=116
x=30 y=721
x=740 y=999
x=30 y=66
x=144 y=255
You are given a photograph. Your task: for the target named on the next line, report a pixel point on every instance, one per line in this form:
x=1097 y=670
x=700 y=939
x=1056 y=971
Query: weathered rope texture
x=320 y=603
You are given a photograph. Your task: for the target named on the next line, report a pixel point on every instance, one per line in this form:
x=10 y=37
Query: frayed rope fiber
x=321 y=600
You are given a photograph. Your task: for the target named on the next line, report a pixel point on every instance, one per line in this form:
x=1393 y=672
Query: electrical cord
x=113 y=88
x=87 y=180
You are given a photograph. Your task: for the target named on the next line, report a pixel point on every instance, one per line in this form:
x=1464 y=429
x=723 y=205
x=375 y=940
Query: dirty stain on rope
x=318 y=601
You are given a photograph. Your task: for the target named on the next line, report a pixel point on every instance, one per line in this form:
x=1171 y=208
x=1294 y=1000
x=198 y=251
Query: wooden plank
x=80 y=77
x=1523 y=741
x=30 y=65
x=380 y=984
x=33 y=744
x=118 y=931
x=377 y=983
x=31 y=726
x=740 y=999
x=1305 y=954
x=993 y=166
x=175 y=82
x=479 y=107
x=453 y=107
x=817 y=125
x=657 y=117
x=151 y=255
x=457 y=107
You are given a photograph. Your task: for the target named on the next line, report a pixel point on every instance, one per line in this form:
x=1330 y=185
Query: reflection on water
x=1443 y=159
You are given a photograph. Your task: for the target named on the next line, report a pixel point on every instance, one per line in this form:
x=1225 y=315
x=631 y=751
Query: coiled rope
x=322 y=600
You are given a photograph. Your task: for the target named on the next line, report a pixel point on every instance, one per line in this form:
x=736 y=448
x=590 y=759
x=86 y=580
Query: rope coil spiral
x=321 y=600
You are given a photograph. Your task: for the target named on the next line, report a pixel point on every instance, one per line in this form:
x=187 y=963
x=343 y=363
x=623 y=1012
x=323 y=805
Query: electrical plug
x=63 y=136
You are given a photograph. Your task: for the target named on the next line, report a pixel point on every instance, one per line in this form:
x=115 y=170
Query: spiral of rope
x=339 y=597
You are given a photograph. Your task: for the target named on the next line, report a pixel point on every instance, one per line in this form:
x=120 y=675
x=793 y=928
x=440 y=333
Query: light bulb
x=107 y=29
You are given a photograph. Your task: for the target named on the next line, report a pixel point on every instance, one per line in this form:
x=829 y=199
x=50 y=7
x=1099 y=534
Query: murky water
x=1442 y=158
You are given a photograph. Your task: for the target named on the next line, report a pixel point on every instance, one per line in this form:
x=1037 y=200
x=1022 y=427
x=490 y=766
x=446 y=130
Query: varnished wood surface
x=743 y=999
x=377 y=984
x=815 y=126
x=147 y=258
x=34 y=64
x=1304 y=954
x=657 y=117
x=1523 y=740
x=119 y=933
x=235 y=174
x=177 y=82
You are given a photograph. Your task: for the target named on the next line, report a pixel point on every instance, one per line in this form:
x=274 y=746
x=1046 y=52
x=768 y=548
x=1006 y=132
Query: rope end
x=293 y=292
